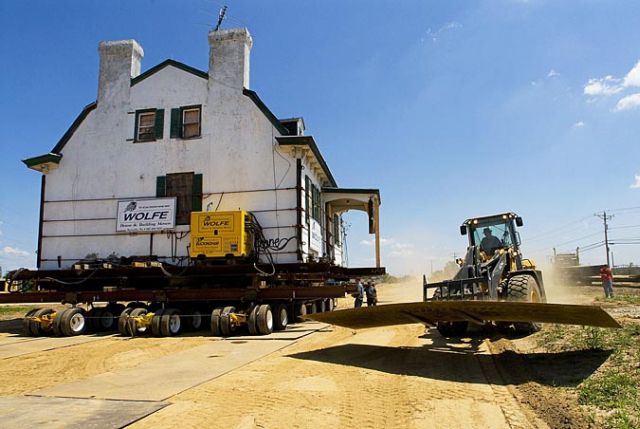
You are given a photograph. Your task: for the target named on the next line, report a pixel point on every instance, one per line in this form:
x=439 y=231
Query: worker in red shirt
x=607 y=280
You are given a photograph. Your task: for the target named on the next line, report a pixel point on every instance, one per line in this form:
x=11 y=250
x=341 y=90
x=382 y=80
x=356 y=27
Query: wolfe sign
x=148 y=215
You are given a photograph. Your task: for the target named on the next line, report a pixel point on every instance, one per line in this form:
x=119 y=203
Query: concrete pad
x=162 y=378
x=15 y=347
x=293 y=332
x=23 y=412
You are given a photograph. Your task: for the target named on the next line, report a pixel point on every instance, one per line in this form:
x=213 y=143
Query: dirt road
x=332 y=378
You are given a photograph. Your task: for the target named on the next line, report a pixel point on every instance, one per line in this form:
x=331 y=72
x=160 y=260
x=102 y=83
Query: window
x=186 y=122
x=315 y=196
x=336 y=229
x=187 y=188
x=149 y=125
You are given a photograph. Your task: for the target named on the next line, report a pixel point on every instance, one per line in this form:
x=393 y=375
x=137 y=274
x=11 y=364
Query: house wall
x=236 y=154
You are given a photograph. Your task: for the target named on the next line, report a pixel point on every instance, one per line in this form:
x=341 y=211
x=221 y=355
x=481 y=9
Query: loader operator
x=489 y=243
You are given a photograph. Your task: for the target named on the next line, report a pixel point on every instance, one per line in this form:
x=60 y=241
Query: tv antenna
x=221 y=16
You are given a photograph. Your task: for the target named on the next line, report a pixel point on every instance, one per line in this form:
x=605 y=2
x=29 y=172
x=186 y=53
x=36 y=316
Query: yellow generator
x=221 y=234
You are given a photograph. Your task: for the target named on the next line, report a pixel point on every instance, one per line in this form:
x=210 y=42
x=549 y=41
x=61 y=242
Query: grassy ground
x=611 y=393
x=13 y=311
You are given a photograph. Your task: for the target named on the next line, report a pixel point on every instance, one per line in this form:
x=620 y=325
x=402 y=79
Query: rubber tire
x=26 y=322
x=140 y=311
x=320 y=307
x=136 y=304
x=156 y=330
x=523 y=288
x=252 y=320
x=193 y=321
x=280 y=318
x=311 y=308
x=122 y=321
x=264 y=319
x=93 y=316
x=65 y=322
x=225 y=322
x=115 y=310
x=452 y=329
x=57 y=323
x=36 y=329
x=215 y=322
x=165 y=324
x=301 y=311
x=330 y=305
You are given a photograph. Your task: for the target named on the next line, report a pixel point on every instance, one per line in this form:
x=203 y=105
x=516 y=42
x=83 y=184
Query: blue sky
x=452 y=108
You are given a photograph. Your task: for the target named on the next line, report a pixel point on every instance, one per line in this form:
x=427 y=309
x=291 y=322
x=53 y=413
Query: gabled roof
x=166 y=63
x=263 y=107
x=309 y=143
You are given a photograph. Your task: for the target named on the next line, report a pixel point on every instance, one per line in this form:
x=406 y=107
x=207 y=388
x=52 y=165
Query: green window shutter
x=196 y=203
x=176 y=123
x=161 y=186
x=159 y=125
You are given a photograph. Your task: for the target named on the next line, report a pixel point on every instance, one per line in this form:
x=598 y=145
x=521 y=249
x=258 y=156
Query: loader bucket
x=473 y=311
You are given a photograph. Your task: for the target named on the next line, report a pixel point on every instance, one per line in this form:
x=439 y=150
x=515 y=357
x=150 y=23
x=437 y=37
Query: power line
x=560 y=228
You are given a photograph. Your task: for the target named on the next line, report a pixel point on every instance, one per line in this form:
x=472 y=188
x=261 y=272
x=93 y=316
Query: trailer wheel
x=26 y=322
x=280 y=318
x=215 y=322
x=73 y=322
x=193 y=320
x=319 y=304
x=140 y=311
x=452 y=329
x=36 y=328
x=301 y=311
x=109 y=317
x=524 y=287
x=311 y=308
x=226 y=327
x=156 y=330
x=330 y=305
x=57 y=323
x=252 y=320
x=170 y=324
x=123 y=321
x=264 y=319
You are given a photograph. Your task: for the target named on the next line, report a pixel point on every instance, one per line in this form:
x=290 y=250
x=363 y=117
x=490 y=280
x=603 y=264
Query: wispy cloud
x=579 y=124
x=436 y=35
x=636 y=184
x=607 y=85
x=14 y=251
x=553 y=73
x=633 y=77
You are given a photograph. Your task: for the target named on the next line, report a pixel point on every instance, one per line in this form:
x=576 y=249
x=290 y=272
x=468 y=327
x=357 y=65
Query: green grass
x=620 y=299
x=613 y=388
x=10 y=311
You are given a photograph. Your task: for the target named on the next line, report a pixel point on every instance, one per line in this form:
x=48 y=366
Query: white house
x=201 y=136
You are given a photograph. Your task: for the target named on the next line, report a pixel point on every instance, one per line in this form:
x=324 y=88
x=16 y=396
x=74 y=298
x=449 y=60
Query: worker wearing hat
x=489 y=243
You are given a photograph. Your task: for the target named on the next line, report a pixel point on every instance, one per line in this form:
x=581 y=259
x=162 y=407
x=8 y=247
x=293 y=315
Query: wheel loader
x=493 y=285
x=492 y=269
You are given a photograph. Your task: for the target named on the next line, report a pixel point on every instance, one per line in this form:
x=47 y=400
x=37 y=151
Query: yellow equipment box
x=220 y=234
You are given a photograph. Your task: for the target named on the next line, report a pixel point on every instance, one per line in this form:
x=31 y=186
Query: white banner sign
x=316 y=236
x=146 y=215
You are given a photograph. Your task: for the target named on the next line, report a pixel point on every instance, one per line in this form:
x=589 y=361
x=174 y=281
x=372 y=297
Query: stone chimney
x=120 y=60
x=229 y=57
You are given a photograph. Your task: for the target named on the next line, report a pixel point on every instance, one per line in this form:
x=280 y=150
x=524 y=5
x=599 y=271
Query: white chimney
x=120 y=60
x=229 y=57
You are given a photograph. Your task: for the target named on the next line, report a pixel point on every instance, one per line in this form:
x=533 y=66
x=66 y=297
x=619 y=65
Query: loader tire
x=524 y=288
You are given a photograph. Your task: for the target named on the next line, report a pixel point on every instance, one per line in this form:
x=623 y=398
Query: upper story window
x=186 y=122
x=149 y=125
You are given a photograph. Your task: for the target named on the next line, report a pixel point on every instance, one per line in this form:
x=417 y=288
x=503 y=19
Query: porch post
x=376 y=210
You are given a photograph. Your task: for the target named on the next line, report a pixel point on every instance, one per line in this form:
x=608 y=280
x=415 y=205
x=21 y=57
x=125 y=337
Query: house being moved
x=197 y=141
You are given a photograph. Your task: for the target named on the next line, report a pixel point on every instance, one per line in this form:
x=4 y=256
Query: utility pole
x=605 y=218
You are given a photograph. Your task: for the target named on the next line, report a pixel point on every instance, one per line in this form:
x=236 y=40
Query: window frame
x=183 y=123
x=139 y=114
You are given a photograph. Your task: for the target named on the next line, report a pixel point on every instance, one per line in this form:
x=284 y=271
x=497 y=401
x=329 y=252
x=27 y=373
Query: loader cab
x=491 y=233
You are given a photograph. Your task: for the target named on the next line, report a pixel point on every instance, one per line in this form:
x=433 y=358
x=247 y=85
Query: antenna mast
x=221 y=16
